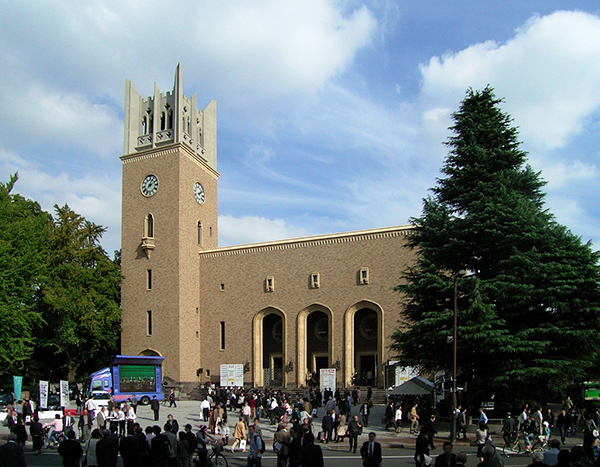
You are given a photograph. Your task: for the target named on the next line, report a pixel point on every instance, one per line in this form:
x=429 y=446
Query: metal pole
x=455 y=362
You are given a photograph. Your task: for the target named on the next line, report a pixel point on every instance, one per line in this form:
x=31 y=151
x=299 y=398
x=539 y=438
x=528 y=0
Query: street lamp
x=461 y=273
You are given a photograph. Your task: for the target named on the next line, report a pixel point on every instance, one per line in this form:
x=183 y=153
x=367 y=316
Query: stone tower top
x=169 y=118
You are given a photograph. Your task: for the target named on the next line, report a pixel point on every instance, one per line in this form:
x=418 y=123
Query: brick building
x=282 y=308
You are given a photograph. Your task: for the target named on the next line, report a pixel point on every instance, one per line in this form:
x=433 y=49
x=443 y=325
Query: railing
x=273 y=376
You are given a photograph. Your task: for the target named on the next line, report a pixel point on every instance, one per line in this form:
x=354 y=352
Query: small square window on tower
x=315 y=280
x=363 y=276
x=269 y=284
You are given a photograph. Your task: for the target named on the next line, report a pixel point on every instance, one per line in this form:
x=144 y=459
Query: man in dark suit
x=70 y=450
x=446 y=458
x=106 y=451
x=11 y=454
x=311 y=455
x=327 y=427
x=155 y=406
x=371 y=452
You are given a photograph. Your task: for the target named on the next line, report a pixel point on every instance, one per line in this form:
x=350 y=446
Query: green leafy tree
x=528 y=316
x=23 y=228
x=79 y=299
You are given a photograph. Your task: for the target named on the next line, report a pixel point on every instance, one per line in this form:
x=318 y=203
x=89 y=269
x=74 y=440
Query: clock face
x=199 y=193
x=149 y=185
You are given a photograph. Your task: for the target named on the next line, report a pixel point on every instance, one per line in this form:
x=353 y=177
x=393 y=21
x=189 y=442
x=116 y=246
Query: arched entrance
x=269 y=347
x=364 y=341
x=150 y=353
x=315 y=341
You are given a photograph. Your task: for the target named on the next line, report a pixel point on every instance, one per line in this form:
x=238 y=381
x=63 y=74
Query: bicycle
x=47 y=442
x=215 y=456
x=540 y=444
x=515 y=444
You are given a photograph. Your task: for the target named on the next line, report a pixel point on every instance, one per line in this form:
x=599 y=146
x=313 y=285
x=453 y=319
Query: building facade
x=284 y=309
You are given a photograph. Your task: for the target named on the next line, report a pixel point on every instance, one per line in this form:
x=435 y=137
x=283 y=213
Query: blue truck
x=130 y=375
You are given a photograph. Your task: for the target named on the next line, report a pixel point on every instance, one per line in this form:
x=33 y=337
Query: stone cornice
x=171 y=149
x=305 y=242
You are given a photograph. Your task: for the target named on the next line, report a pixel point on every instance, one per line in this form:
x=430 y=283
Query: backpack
x=262 y=444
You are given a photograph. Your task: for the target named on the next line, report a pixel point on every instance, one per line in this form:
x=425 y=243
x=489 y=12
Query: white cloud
x=253 y=229
x=562 y=174
x=549 y=73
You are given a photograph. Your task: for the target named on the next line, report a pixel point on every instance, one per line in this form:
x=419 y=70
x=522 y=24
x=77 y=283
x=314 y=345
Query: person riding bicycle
x=204 y=439
x=56 y=429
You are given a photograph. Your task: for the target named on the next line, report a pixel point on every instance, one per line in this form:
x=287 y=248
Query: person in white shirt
x=130 y=416
x=90 y=406
x=121 y=420
x=398 y=419
x=205 y=409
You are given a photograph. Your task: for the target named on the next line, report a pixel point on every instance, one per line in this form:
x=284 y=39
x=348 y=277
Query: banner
x=232 y=375
x=64 y=393
x=17 y=387
x=328 y=379
x=44 y=394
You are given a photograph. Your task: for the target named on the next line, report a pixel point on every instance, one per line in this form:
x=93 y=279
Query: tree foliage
x=23 y=226
x=529 y=314
x=59 y=291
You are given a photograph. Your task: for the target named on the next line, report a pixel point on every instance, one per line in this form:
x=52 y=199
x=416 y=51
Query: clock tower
x=169 y=216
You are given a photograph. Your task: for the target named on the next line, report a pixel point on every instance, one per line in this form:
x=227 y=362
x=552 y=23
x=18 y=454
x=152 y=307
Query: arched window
x=150 y=225
x=144 y=126
x=151 y=129
x=163 y=121
x=170 y=121
x=199 y=233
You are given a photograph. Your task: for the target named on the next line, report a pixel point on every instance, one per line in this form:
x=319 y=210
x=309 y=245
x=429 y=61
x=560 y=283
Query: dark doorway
x=321 y=362
x=273 y=350
x=317 y=341
x=366 y=329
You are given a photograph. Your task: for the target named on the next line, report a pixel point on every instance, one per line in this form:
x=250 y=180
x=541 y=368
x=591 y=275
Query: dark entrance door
x=367 y=370
x=321 y=362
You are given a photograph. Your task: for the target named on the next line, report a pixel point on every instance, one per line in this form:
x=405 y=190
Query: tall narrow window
x=199 y=233
x=170 y=121
x=163 y=121
x=151 y=125
x=150 y=225
x=222 y=335
x=149 y=279
x=149 y=322
x=144 y=126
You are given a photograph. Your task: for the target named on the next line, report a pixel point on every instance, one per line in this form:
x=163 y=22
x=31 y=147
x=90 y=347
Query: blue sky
x=331 y=114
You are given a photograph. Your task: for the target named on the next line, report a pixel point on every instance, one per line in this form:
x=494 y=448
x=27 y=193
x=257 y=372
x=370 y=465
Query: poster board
x=232 y=375
x=327 y=378
x=64 y=393
x=44 y=394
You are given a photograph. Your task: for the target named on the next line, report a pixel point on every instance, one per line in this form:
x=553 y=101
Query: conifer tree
x=529 y=313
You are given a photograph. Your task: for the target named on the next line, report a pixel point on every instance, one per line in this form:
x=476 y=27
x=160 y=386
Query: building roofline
x=301 y=242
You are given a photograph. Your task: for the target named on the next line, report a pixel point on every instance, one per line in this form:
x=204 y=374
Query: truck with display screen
x=130 y=375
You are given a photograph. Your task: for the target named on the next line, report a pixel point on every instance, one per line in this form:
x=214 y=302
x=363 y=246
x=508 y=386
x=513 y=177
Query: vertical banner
x=64 y=393
x=44 y=394
x=17 y=386
x=327 y=379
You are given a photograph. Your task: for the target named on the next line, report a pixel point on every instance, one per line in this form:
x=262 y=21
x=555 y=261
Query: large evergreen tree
x=59 y=292
x=80 y=298
x=528 y=316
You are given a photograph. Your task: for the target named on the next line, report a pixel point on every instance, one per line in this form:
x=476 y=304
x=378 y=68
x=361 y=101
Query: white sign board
x=44 y=394
x=403 y=374
x=327 y=379
x=232 y=375
x=64 y=393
